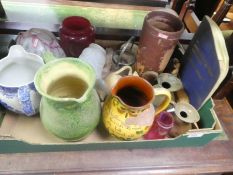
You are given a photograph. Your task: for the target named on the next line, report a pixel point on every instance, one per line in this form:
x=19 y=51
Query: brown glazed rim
x=173 y=18
x=137 y=82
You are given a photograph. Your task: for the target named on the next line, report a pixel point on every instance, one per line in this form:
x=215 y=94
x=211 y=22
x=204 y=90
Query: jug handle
x=124 y=68
x=113 y=77
x=166 y=102
x=25 y=100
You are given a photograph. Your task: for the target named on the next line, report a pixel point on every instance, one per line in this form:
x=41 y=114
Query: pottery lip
x=164 y=14
x=71 y=60
x=10 y=58
x=76 y=28
x=97 y=46
x=149 y=87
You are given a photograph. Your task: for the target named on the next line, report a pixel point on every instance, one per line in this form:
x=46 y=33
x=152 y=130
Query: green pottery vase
x=70 y=107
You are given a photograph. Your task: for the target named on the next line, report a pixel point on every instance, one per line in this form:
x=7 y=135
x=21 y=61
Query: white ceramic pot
x=95 y=55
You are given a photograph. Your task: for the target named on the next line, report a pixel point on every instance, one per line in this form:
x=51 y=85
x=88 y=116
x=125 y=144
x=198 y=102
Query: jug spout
x=16 y=50
x=17 y=90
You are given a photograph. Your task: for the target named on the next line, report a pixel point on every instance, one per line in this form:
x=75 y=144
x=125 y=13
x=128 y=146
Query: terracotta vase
x=160 y=33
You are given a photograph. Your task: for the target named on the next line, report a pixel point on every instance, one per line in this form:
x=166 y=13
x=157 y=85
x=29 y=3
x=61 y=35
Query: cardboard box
x=20 y=134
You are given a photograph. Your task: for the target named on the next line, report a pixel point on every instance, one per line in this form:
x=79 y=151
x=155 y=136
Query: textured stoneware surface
x=69 y=118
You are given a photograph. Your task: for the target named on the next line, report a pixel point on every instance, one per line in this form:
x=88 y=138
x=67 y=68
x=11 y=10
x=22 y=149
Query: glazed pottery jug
x=70 y=107
x=128 y=112
x=17 y=90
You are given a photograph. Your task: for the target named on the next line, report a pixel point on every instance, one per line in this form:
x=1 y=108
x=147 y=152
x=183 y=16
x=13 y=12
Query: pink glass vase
x=162 y=124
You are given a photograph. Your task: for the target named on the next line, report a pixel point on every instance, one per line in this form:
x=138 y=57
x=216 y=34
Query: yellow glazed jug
x=128 y=111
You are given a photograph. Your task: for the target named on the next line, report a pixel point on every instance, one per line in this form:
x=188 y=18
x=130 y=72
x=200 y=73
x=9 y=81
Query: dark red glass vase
x=76 y=33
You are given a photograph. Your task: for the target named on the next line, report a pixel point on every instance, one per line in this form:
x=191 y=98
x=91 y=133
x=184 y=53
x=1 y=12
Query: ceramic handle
x=123 y=69
x=113 y=77
x=166 y=101
x=25 y=100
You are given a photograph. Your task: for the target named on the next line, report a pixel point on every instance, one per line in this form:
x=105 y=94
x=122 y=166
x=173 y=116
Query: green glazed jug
x=70 y=107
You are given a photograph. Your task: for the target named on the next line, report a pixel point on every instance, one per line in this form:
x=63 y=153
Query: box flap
x=31 y=130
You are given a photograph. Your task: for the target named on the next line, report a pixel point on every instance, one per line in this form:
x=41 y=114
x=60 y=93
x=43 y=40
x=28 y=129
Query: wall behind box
x=54 y=13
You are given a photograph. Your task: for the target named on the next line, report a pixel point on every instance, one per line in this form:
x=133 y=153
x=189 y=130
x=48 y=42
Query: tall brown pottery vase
x=160 y=33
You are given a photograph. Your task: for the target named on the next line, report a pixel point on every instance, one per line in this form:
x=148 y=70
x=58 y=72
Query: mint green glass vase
x=70 y=107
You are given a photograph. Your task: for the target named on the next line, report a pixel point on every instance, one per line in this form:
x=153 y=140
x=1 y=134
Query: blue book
x=205 y=63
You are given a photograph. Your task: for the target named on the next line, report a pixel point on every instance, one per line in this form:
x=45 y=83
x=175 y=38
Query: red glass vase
x=76 y=33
